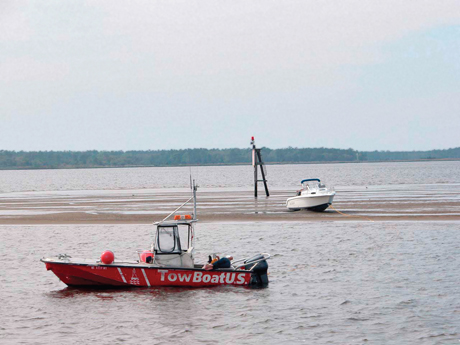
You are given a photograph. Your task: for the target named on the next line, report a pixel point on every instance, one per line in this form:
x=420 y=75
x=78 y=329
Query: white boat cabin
x=173 y=244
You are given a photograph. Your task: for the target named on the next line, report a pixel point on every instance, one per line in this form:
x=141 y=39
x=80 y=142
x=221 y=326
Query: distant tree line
x=92 y=159
x=412 y=155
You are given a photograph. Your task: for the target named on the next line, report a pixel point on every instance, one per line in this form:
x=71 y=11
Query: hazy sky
x=123 y=75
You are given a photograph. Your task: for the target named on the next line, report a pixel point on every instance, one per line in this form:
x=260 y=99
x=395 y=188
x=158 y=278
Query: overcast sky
x=138 y=75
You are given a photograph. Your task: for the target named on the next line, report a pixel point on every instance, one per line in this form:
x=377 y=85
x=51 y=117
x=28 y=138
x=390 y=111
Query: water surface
x=330 y=282
x=279 y=176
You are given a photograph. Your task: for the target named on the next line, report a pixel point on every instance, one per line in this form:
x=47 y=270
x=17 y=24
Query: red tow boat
x=170 y=262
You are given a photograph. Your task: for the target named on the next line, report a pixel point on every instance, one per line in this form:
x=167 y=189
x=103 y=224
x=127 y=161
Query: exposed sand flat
x=147 y=206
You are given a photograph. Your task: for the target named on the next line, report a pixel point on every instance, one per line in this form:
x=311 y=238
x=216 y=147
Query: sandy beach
x=146 y=207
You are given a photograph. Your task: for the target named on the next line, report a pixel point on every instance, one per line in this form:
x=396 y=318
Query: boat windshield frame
x=310 y=179
x=311 y=184
x=178 y=228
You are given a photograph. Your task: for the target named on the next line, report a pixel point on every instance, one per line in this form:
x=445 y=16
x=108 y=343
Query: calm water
x=279 y=176
x=331 y=282
x=336 y=283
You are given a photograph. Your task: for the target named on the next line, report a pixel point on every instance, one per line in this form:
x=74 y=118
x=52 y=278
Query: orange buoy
x=107 y=257
x=146 y=256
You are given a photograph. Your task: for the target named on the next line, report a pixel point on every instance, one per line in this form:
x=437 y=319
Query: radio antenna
x=191 y=187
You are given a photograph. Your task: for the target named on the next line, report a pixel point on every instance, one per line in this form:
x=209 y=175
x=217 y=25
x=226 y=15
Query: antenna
x=195 y=187
x=193 y=197
x=191 y=187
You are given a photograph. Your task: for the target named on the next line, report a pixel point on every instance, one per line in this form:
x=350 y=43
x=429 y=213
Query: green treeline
x=412 y=155
x=91 y=159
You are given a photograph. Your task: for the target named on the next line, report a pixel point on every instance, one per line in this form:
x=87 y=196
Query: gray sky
x=123 y=75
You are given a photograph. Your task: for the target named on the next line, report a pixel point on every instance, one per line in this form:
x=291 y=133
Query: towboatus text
x=199 y=277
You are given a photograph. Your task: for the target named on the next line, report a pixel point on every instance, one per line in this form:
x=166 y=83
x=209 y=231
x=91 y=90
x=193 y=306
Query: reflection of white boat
x=313 y=196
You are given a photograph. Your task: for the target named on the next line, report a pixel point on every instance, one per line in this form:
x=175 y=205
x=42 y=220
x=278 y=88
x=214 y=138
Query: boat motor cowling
x=259 y=276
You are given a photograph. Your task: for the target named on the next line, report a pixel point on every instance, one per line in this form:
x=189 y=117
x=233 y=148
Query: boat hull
x=139 y=275
x=315 y=203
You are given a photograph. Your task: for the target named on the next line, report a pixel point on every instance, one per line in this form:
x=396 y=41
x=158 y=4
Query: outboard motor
x=259 y=277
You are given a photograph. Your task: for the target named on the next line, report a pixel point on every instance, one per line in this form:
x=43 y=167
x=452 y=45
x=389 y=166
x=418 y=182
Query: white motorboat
x=313 y=196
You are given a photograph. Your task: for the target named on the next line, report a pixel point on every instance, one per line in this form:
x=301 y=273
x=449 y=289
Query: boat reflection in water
x=169 y=262
x=313 y=196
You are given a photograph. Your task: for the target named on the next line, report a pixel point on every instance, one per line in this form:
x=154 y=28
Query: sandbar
x=132 y=207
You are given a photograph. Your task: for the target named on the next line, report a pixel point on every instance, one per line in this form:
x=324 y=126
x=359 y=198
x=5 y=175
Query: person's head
x=229 y=257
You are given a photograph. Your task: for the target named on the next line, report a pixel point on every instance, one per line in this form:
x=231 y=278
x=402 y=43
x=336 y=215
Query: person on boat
x=213 y=258
x=220 y=263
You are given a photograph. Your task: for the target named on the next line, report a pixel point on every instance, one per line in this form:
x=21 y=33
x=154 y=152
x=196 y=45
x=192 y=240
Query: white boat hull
x=311 y=202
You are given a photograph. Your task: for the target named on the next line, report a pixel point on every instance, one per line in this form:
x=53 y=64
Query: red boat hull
x=144 y=276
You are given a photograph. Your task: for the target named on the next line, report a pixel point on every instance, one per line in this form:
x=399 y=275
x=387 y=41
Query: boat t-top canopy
x=310 y=179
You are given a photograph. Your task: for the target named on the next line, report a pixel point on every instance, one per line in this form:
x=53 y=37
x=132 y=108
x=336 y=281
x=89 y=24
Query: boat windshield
x=184 y=236
x=168 y=239
x=310 y=185
x=173 y=238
